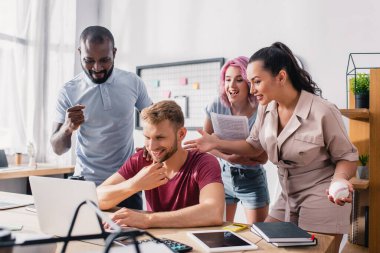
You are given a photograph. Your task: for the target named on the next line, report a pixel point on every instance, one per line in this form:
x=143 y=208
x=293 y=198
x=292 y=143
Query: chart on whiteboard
x=192 y=84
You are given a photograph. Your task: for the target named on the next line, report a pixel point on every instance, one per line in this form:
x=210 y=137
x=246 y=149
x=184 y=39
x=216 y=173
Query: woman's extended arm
x=209 y=142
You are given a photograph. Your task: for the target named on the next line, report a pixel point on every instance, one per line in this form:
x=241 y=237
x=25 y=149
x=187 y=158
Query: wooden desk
x=42 y=169
x=30 y=222
x=325 y=242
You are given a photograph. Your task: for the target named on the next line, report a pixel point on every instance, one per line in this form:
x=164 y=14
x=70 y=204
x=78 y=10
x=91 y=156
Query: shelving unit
x=357 y=114
x=364 y=132
x=360 y=184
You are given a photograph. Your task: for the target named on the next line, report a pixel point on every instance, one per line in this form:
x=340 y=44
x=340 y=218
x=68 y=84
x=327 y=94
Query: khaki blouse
x=307 y=149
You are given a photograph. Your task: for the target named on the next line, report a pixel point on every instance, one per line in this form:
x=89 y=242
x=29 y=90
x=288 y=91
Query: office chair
x=3 y=159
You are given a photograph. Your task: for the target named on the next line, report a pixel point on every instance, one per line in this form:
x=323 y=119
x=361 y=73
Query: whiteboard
x=192 y=84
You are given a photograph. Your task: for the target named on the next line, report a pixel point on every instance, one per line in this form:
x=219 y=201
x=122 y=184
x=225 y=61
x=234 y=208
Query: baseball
x=339 y=190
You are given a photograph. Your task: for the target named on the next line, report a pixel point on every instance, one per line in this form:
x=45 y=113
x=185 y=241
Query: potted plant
x=360 y=87
x=362 y=171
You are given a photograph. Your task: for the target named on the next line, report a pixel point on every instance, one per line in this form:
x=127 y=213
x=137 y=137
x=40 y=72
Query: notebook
x=288 y=244
x=281 y=232
x=56 y=200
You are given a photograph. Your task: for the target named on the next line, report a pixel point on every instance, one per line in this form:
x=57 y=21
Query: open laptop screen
x=56 y=201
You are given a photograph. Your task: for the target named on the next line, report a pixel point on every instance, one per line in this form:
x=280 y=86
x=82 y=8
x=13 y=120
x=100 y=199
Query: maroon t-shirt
x=183 y=189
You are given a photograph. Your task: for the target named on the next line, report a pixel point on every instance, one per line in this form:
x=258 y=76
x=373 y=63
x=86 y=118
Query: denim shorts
x=246 y=185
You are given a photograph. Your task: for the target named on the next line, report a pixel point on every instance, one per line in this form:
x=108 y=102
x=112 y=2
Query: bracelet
x=344 y=173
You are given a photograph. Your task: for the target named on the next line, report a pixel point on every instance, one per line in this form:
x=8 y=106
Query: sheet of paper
x=229 y=127
x=183 y=102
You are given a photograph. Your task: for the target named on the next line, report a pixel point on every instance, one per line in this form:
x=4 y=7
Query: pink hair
x=240 y=62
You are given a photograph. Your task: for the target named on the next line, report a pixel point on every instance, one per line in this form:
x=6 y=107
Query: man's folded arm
x=114 y=190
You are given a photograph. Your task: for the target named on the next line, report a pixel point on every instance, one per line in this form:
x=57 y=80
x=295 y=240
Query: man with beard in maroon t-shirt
x=182 y=188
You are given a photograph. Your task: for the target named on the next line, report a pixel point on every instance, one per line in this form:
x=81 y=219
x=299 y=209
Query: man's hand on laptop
x=150 y=177
x=131 y=218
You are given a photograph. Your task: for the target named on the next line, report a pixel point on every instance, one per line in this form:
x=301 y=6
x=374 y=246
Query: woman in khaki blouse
x=303 y=135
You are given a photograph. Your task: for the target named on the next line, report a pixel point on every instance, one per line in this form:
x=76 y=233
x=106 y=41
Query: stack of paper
x=283 y=234
x=229 y=127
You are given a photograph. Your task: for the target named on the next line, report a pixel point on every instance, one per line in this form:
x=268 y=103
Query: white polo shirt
x=105 y=139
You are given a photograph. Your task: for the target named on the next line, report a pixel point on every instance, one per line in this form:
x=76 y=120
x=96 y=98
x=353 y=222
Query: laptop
x=57 y=199
x=13 y=203
x=9 y=201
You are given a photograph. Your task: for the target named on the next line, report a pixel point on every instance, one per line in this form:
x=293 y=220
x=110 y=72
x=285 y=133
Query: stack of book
x=282 y=234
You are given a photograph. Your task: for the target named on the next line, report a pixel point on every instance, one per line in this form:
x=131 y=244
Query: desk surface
x=42 y=169
x=30 y=225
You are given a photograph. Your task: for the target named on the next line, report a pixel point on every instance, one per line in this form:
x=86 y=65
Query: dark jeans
x=133 y=202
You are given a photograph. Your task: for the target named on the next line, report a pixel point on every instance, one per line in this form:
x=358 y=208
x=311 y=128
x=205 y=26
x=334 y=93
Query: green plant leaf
x=360 y=85
x=363 y=159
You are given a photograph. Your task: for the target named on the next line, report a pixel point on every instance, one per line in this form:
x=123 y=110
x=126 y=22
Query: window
x=37 y=54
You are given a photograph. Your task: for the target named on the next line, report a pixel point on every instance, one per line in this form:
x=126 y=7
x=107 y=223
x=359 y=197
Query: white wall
x=320 y=32
x=87 y=13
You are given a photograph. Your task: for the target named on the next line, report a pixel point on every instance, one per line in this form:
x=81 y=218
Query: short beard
x=107 y=74
x=170 y=153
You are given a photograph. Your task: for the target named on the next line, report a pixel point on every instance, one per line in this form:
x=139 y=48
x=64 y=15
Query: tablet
x=221 y=241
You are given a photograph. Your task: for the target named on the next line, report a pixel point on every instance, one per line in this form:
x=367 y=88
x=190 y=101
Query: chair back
x=3 y=159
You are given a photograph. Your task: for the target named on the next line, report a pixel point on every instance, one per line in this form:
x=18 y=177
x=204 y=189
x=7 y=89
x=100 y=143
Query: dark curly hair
x=277 y=57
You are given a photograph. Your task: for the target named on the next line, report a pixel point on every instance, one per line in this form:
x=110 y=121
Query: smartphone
x=236 y=227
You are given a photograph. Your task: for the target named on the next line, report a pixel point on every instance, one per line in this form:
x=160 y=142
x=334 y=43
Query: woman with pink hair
x=244 y=179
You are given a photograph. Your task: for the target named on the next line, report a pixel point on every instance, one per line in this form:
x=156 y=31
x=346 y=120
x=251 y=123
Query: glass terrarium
x=357 y=78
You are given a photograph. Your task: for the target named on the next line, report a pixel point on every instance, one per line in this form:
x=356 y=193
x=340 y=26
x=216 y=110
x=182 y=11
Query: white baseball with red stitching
x=339 y=190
